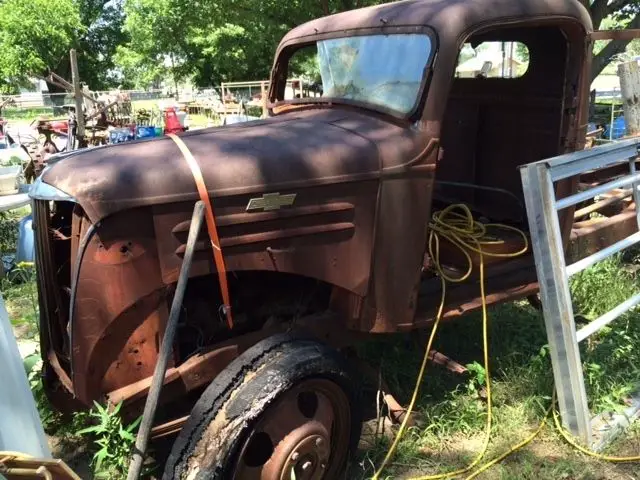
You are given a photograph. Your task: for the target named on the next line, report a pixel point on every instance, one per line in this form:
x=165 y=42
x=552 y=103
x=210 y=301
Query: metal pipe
x=593 y=192
x=635 y=188
x=612 y=119
x=600 y=255
x=157 y=381
x=28 y=472
x=607 y=318
x=44 y=472
x=571 y=164
x=601 y=204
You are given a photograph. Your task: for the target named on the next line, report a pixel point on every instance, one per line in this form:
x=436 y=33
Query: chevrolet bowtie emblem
x=271 y=201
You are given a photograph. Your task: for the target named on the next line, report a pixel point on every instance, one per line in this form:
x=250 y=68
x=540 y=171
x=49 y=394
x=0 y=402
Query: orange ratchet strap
x=211 y=225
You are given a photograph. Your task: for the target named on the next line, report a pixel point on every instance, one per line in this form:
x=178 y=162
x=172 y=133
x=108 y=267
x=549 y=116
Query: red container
x=171 y=122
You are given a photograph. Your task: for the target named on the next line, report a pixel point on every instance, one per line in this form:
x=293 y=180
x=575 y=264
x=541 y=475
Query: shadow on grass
x=522 y=381
x=516 y=338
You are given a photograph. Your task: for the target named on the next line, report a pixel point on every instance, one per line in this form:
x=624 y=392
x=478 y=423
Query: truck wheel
x=286 y=408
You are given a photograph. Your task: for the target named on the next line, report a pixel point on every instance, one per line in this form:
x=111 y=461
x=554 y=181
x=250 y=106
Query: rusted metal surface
x=610 y=205
x=199 y=370
x=279 y=154
x=168 y=428
x=301 y=436
x=592 y=237
x=451 y=365
x=117 y=322
x=326 y=234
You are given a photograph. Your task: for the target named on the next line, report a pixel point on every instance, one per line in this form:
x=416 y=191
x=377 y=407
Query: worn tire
x=240 y=396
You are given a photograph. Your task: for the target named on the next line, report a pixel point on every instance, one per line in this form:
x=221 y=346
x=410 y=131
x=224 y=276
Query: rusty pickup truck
x=323 y=212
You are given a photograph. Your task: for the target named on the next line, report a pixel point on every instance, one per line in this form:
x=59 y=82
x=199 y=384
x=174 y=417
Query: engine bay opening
x=260 y=300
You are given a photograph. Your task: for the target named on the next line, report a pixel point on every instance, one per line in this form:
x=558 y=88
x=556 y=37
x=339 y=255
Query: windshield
x=382 y=70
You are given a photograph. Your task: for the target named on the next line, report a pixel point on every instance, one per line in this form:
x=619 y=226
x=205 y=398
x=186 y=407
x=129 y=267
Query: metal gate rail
x=553 y=274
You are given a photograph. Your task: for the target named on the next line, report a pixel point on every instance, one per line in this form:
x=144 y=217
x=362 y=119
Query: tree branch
x=614 y=47
x=598 y=12
x=325 y=6
x=347 y=5
x=616 y=5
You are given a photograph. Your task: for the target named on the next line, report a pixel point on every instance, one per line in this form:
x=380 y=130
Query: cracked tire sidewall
x=282 y=361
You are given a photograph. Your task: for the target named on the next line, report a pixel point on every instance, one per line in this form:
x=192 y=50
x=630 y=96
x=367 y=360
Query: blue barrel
x=617 y=129
x=146 y=132
x=25 y=251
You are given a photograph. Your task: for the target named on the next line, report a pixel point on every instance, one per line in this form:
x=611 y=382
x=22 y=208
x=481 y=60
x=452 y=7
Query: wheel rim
x=304 y=436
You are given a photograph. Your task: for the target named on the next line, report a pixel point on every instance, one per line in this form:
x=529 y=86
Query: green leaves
x=114 y=440
x=36 y=35
x=212 y=41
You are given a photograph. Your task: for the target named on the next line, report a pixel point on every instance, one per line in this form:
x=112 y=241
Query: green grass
x=452 y=413
x=18 y=287
x=12 y=113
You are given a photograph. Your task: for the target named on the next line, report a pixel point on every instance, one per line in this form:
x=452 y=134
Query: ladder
x=553 y=276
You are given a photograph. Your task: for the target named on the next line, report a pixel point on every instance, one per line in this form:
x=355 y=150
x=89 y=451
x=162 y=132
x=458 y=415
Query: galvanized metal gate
x=553 y=274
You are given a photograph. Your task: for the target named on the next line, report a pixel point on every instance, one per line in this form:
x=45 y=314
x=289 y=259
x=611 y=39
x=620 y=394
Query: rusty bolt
x=295 y=456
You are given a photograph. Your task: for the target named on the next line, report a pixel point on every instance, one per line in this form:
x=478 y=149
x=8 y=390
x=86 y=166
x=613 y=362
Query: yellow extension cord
x=456 y=224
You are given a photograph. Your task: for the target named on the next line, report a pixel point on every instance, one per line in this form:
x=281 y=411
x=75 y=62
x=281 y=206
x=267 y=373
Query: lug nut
x=306 y=466
x=319 y=442
x=295 y=456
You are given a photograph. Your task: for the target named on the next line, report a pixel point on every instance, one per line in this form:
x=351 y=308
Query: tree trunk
x=175 y=77
x=629 y=74
x=614 y=47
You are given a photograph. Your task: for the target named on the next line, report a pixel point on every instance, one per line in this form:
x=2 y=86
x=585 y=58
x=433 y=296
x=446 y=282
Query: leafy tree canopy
x=213 y=41
x=36 y=35
x=135 y=43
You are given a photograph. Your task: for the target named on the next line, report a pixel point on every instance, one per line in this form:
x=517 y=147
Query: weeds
x=114 y=441
x=20 y=293
x=8 y=231
x=51 y=420
x=611 y=358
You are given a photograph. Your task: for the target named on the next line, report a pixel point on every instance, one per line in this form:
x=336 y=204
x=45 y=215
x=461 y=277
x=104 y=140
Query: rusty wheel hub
x=307 y=459
x=303 y=436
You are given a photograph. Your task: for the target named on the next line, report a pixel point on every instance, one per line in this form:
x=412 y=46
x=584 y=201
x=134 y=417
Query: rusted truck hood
x=302 y=148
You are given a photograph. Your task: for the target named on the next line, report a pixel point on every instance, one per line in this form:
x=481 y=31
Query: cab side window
x=493 y=60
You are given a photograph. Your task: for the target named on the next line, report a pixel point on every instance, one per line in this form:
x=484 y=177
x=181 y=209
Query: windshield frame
x=288 y=49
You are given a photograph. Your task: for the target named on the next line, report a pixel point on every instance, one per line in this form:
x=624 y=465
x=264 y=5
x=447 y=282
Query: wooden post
x=224 y=102
x=77 y=94
x=629 y=73
x=263 y=96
